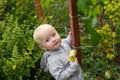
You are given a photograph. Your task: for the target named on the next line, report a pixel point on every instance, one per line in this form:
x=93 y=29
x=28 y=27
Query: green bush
x=16 y=49
x=20 y=56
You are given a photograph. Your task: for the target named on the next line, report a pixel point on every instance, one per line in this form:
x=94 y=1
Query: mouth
x=56 y=43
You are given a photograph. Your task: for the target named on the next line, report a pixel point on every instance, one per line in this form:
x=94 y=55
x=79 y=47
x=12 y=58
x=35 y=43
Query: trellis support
x=74 y=27
x=38 y=9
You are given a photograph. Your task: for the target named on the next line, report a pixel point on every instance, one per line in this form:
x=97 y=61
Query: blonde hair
x=36 y=34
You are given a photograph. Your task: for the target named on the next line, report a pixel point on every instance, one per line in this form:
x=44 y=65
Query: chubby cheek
x=59 y=41
x=49 y=46
x=53 y=47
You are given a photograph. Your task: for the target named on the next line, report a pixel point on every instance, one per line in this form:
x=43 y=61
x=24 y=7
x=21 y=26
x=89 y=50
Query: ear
x=42 y=47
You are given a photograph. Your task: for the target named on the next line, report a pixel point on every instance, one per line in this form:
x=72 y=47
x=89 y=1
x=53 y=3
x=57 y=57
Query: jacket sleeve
x=68 y=39
x=60 y=72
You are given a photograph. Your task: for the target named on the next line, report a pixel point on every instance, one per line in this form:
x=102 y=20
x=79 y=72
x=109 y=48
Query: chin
x=57 y=47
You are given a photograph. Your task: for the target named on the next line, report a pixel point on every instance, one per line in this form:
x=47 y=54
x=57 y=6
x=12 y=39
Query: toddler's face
x=50 y=39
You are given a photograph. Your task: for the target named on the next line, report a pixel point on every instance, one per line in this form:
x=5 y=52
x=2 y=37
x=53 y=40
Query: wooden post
x=73 y=13
x=38 y=9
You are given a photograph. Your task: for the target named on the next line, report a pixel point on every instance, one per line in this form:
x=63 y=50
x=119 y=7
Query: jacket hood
x=43 y=62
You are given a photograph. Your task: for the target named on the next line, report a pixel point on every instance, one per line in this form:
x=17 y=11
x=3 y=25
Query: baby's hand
x=80 y=27
x=76 y=60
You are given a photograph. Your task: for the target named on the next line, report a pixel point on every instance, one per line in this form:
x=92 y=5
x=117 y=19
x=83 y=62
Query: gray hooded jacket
x=58 y=64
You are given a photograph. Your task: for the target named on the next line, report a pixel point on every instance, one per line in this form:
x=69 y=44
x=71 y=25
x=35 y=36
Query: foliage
x=2 y=8
x=16 y=49
x=18 y=52
x=59 y=17
x=93 y=15
x=95 y=37
x=95 y=66
x=47 y=3
x=94 y=62
x=90 y=10
x=19 y=55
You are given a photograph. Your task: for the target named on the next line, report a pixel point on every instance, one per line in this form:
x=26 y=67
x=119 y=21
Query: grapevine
x=112 y=11
x=107 y=41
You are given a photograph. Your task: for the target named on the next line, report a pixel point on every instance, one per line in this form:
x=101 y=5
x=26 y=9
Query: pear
x=72 y=55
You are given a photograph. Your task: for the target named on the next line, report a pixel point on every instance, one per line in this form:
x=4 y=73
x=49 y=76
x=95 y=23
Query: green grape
x=108 y=38
x=112 y=10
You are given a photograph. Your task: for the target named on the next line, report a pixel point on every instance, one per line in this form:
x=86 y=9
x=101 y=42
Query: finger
x=80 y=25
x=70 y=33
x=81 y=31
x=76 y=60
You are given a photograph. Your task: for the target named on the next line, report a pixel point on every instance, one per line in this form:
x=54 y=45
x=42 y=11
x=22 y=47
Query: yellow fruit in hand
x=107 y=74
x=72 y=55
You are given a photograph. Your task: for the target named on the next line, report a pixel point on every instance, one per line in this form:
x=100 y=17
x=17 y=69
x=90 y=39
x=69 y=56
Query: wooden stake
x=73 y=13
x=38 y=9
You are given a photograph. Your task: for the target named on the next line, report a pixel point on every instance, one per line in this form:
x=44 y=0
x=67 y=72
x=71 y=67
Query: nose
x=53 y=39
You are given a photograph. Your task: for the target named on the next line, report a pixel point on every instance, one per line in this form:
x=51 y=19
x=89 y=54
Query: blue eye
x=54 y=34
x=47 y=40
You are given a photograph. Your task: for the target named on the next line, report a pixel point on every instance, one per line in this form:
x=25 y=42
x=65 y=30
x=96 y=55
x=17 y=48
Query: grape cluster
x=106 y=43
x=112 y=9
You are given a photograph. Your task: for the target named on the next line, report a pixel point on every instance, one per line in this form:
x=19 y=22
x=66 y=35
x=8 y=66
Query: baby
x=55 y=59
